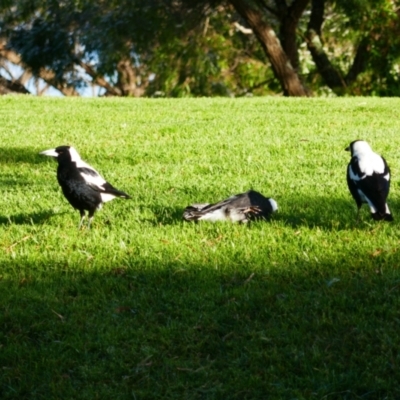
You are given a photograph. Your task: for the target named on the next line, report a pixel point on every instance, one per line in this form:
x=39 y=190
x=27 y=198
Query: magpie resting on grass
x=242 y=207
x=81 y=184
x=368 y=178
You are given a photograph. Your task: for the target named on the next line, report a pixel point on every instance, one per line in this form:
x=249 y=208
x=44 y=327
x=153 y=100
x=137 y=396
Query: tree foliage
x=202 y=48
x=356 y=45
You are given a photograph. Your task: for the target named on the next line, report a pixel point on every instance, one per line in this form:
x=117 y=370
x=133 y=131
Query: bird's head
x=62 y=153
x=358 y=147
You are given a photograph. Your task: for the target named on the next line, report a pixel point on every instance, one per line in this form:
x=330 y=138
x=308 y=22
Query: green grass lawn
x=146 y=306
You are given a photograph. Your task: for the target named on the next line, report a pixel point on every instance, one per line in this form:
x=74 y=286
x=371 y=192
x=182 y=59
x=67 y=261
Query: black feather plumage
x=368 y=179
x=83 y=187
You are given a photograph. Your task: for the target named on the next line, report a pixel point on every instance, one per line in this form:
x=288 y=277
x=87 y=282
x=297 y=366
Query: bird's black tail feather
x=123 y=195
x=110 y=189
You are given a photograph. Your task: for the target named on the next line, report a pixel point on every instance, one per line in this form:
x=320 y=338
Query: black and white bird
x=82 y=185
x=242 y=207
x=368 y=178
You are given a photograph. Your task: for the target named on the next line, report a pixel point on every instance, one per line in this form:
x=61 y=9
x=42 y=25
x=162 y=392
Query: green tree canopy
x=202 y=48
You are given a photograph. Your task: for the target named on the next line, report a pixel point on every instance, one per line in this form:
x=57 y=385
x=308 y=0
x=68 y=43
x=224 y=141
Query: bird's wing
x=375 y=189
x=92 y=178
x=354 y=170
x=374 y=186
x=216 y=206
x=352 y=180
x=209 y=212
x=98 y=183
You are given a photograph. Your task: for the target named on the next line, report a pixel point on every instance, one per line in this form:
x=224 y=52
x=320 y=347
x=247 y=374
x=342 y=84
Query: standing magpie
x=81 y=184
x=241 y=207
x=368 y=179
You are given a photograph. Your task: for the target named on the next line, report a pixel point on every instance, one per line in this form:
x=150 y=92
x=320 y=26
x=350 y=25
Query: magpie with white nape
x=81 y=184
x=242 y=207
x=368 y=179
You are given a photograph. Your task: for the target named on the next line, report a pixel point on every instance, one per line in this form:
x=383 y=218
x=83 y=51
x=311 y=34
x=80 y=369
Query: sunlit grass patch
x=144 y=305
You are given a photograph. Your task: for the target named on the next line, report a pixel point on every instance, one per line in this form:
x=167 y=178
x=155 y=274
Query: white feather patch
x=107 y=197
x=97 y=180
x=368 y=161
x=371 y=163
x=236 y=215
x=76 y=158
x=355 y=177
x=216 y=215
x=365 y=199
x=200 y=206
x=274 y=205
x=94 y=179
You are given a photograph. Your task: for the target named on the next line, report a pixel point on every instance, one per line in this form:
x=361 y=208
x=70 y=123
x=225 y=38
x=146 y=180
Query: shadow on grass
x=190 y=331
x=36 y=218
x=331 y=213
x=322 y=212
x=13 y=155
x=167 y=215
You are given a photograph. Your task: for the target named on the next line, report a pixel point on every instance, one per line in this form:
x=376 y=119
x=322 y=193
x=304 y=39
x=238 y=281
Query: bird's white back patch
x=371 y=163
x=274 y=205
x=368 y=161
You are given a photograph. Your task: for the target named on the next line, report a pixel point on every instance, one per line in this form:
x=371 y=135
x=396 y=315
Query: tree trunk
x=313 y=37
x=332 y=76
x=289 y=17
x=281 y=65
x=7 y=87
x=98 y=79
x=127 y=79
x=359 y=62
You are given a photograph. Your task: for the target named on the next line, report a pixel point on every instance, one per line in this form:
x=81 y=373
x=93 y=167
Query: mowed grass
x=146 y=306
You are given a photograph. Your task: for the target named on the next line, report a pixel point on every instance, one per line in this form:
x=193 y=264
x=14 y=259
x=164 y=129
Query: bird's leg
x=82 y=212
x=358 y=215
x=89 y=222
x=91 y=214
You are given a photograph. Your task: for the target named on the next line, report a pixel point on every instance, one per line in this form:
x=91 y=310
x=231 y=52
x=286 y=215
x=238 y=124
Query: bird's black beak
x=347 y=148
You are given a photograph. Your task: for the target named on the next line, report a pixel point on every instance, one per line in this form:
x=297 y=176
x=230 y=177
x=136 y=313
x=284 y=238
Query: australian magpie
x=368 y=178
x=81 y=184
x=241 y=207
